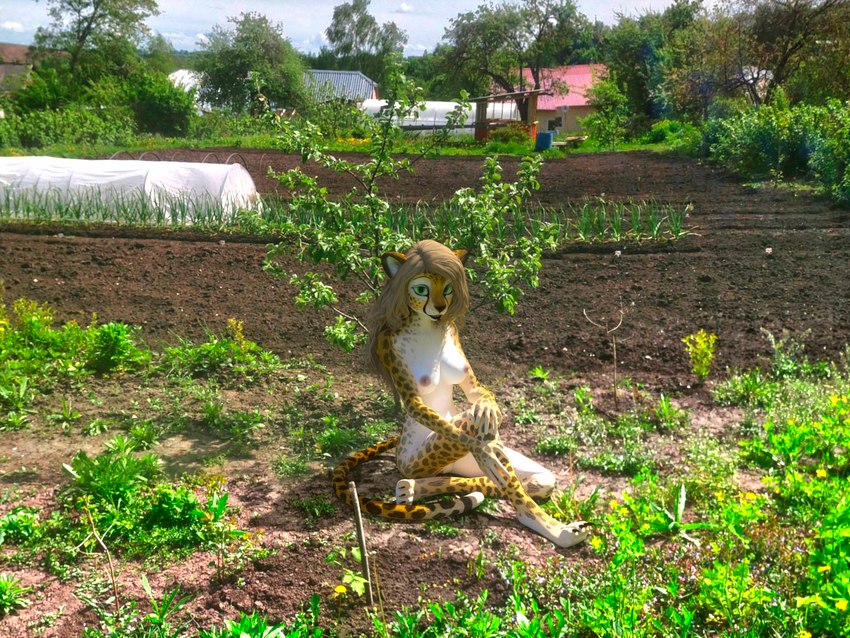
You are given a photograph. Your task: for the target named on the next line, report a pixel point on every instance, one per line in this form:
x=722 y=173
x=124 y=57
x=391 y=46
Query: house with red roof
x=566 y=102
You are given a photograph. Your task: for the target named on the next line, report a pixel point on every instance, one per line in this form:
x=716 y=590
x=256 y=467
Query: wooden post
x=361 y=542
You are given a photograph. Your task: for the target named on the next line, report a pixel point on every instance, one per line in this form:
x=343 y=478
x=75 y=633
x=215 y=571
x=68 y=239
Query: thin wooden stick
x=361 y=542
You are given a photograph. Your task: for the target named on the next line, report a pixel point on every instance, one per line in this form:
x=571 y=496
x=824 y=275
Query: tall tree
x=635 y=50
x=359 y=43
x=79 y=26
x=158 y=53
x=752 y=48
x=498 y=41
x=232 y=60
x=780 y=34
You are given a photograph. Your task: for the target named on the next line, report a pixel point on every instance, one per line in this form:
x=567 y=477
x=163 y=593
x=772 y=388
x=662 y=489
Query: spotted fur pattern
x=392 y=510
x=473 y=431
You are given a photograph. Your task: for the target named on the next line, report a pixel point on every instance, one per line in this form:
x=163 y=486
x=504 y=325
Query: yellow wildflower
x=803 y=634
x=821 y=473
x=824 y=568
x=614 y=504
x=340 y=590
x=841 y=605
x=751 y=496
x=596 y=543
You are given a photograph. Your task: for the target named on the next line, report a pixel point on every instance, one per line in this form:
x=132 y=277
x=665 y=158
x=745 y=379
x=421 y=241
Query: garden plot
x=266 y=433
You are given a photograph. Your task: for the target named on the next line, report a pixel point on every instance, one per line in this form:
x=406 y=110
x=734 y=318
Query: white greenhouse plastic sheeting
x=434 y=114
x=163 y=184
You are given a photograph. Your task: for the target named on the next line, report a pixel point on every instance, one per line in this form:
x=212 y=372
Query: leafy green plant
x=700 y=349
x=112 y=477
x=113 y=348
x=668 y=416
x=19 y=525
x=12 y=594
x=314 y=507
x=230 y=357
x=66 y=417
x=238 y=425
x=289 y=467
x=254 y=625
x=352 y=579
x=750 y=388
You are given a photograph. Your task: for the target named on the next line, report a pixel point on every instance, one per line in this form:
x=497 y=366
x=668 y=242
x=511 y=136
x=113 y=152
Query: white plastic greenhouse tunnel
x=174 y=191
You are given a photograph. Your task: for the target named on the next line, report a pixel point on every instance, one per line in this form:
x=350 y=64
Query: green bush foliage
x=516 y=133
x=159 y=106
x=77 y=124
x=790 y=142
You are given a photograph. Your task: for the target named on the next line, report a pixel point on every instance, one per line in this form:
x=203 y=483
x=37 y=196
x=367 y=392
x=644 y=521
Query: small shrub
x=512 y=133
x=114 y=348
x=159 y=106
x=700 y=348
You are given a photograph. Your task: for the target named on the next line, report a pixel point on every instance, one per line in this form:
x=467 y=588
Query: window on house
x=556 y=123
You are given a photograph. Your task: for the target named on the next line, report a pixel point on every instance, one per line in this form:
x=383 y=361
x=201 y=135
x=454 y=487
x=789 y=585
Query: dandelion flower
x=841 y=605
x=821 y=473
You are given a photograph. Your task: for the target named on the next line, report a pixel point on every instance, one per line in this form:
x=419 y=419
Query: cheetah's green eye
x=420 y=290
x=447 y=290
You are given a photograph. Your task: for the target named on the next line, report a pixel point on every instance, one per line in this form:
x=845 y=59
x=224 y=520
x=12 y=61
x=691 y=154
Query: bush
x=159 y=106
x=830 y=157
x=74 y=125
x=221 y=124
x=800 y=141
x=516 y=133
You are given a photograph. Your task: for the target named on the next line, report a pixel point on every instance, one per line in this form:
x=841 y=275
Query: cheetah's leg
x=526 y=478
x=438 y=456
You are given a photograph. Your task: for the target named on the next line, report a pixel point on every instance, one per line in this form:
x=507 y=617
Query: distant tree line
x=687 y=61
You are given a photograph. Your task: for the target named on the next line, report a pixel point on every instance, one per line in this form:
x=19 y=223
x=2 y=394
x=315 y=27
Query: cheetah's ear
x=462 y=254
x=392 y=262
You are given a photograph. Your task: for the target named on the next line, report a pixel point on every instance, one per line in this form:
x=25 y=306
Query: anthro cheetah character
x=413 y=342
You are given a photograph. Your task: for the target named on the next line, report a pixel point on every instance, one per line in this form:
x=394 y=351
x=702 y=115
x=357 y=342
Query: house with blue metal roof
x=341 y=85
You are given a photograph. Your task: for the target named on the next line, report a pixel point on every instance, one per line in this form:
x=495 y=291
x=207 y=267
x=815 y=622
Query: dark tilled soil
x=756 y=259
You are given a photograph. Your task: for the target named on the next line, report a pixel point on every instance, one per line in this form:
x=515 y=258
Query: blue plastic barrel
x=544 y=141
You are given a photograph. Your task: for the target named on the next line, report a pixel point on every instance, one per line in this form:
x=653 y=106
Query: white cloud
x=404 y=7
x=9 y=25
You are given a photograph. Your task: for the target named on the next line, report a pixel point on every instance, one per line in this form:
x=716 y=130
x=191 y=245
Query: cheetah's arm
x=486 y=415
x=481 y=447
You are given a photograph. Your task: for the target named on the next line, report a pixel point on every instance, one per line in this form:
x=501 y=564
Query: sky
x=185 y=23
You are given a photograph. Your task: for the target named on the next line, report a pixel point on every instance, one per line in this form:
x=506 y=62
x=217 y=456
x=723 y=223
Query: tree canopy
x=498 y=41
x=255 y=50
x=104 y=28
x=358 y=42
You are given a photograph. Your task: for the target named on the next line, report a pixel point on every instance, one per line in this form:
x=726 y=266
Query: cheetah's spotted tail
x=391 y=509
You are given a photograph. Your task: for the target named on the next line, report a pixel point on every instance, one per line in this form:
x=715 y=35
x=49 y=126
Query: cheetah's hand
x=486 y=418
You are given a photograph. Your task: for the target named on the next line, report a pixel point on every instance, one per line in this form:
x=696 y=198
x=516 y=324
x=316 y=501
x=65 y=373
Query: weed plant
x=229 y=357
x=12 y=594
x=35 y=355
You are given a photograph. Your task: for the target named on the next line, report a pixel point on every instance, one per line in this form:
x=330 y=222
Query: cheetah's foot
x=405 y=491
x=560 y=534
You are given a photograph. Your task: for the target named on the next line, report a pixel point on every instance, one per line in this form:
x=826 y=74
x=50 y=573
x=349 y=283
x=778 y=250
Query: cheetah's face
x=430 y=296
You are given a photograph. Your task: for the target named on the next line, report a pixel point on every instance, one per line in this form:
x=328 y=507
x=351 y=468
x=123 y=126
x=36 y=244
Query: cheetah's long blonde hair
x=391 y=309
